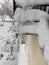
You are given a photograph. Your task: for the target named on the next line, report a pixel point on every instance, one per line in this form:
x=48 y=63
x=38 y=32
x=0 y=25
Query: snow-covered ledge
x=26 y=3
x=25 y=20
x=25 y=23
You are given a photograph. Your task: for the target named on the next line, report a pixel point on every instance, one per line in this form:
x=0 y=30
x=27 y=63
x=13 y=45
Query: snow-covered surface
x=26 y=3
x=4 y=29
x=22 y=17
x=6 y=8
x=41 y=28
x=7 y=34
x=2 y=1
x=8 y=62
x=22 y=55
x=46 y=53
x=7 y=18
x=28 y=15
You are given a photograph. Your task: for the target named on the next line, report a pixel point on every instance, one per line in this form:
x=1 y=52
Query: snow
x=46 y=53
x=22 y=55
x=26 y=3
x=6 y=8
x=23 y=16
x=33 y=14
x=4 y=29
x=28 y=15
x=7 y=33
x=2 y=1
x=0 y=6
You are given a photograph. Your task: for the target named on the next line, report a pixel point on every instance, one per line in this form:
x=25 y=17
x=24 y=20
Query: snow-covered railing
x=26 y=3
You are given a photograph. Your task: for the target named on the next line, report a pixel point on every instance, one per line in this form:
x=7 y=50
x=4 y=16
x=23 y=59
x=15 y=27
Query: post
x=35 y=56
